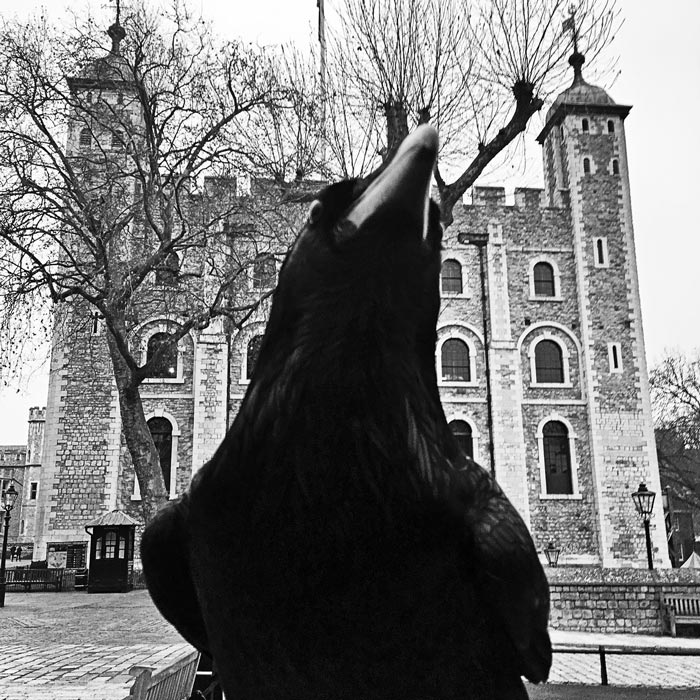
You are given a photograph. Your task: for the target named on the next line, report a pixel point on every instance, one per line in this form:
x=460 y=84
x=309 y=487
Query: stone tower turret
x=80 y=462
x=585 y=154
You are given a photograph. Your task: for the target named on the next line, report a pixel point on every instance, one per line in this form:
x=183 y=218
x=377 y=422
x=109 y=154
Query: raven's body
x=338 y=545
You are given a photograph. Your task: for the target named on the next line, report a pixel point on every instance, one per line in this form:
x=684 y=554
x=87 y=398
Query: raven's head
x=361 y=282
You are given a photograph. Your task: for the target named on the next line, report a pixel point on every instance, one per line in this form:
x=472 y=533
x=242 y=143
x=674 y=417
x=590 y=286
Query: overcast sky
x=660 y=64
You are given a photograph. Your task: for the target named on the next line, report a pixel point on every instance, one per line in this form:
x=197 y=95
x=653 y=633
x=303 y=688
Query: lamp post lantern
x=644 y=503
x=9 y=497
x=552 y=554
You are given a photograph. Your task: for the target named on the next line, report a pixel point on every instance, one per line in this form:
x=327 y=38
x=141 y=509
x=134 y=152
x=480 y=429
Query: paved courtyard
x=80 y=647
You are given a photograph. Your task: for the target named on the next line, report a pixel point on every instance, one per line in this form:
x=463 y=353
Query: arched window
x=557 y=457
x=162 y=434
x=165 y=366
x=616 y=166
x=463 y=434
x=166 y=273
x=549 y=363
x=611 y=126
x=584 y=124
x=252 y=355
x=451 y=277
x=455 y=361
x=543 y=274
x=587 y=166
x=264 y=272
x=85 y=138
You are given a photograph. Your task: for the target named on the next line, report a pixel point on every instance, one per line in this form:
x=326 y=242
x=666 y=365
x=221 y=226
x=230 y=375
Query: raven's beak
x=403 y=186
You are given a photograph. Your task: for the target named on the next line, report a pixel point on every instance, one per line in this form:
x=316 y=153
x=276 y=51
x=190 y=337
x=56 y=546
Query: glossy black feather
x=339 y=544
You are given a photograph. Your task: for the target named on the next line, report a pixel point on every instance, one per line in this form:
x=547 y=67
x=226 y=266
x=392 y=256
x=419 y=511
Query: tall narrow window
x=162 y=434
x=85 y=138
x=96 y=327
x=611 y=126
x=616 y=166
x=463 y=434
x=451 y=277
x=33 y=490
x=543 y=274
x=587 y=166
x=164 y=354
x=264 y=272
x=252 y=353
x=615 y=357
x=601 y=252
x=549 y=363
x=584 y=125
x=557 y=458
x=455 y=361
x=117 y=139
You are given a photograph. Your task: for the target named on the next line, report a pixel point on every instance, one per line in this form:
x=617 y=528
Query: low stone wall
x=592 y=599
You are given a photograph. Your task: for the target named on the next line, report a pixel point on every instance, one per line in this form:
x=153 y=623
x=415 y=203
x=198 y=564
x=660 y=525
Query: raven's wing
x=164 y=554
x=507 y=570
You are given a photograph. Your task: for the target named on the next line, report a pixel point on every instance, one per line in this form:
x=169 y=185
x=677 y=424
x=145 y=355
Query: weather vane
x=569 y=25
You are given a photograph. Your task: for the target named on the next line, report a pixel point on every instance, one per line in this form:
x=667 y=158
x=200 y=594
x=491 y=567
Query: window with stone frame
x=117 y=141
x=557 y=458
x=165 y=356
x=462 y=432
x=451 y=277
x=162 y=433
x=586 y=166
x=167 y=271
x=264 y=272
x=584 y=124
x=455 y=364
x=33 y=490
x=601 y=252
x=252 y=353
x=85 y=138
x=611 y=126
x=543 y=278
x=549 y=363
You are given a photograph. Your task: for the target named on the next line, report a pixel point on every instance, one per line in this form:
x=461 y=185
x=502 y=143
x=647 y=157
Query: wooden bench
x=25 y=579
x=680 y=609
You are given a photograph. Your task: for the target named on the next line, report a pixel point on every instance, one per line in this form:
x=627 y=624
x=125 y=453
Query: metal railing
x=603 y=651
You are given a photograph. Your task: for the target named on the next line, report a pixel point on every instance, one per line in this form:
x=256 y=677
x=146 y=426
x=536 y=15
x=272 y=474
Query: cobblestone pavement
x=76 y=646
x=80 y=647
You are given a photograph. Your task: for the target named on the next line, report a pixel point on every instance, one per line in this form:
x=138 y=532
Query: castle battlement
x=37 y=413
x=524 y=198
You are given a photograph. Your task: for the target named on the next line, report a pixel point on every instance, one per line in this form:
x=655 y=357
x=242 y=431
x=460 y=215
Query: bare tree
x=675 y=385
x=477 y=71
x=117 y=199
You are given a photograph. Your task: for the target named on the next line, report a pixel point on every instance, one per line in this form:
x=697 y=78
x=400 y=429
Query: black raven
x=339 y=546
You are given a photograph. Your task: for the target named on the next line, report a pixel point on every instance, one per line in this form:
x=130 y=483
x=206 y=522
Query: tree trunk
x=138 y=437
x=396 y=127
x=526 y=104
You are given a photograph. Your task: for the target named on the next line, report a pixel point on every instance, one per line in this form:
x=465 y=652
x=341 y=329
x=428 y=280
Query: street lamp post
x=481 y=240
x=644 y=503
x=9 y=496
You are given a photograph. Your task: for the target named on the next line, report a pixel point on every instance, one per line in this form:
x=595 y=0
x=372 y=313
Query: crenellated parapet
x=529 y=198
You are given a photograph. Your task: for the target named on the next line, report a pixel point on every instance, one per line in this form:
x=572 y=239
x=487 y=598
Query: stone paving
x=80 y=647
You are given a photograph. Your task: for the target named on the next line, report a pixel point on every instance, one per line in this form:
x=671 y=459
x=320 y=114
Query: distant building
x=21 y=465
x=541 y=368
